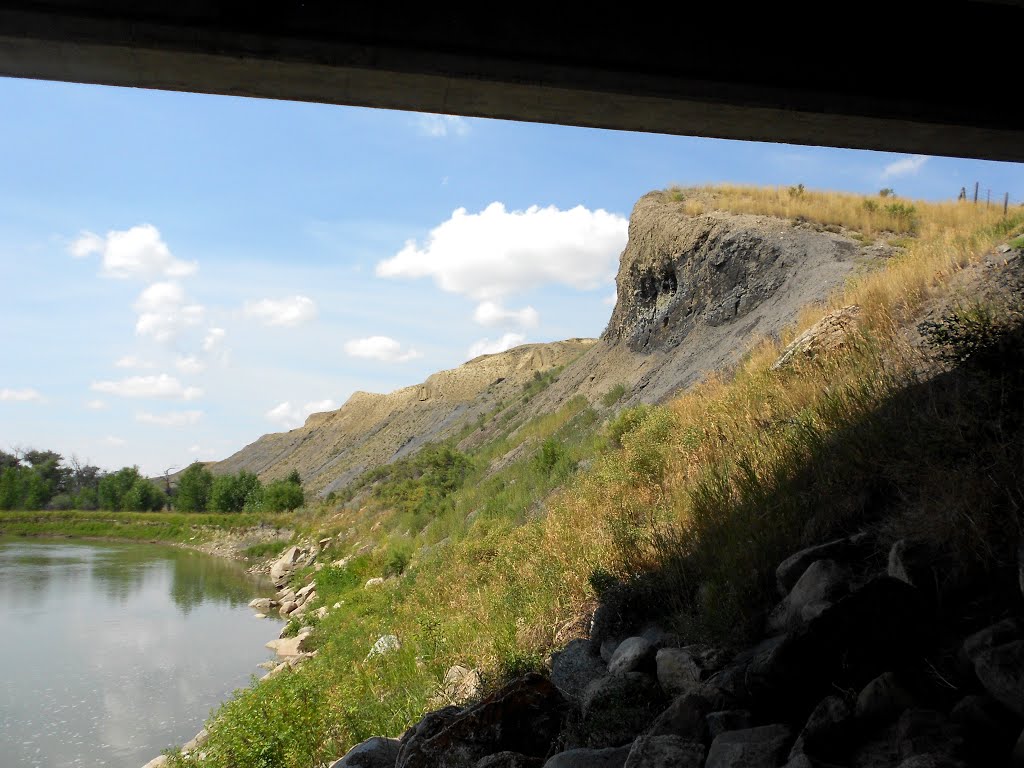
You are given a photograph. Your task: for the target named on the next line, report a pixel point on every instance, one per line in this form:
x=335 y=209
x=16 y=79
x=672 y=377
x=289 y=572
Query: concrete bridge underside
x=935 y=78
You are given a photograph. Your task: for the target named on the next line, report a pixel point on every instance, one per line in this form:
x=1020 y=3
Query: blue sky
x=182 y=273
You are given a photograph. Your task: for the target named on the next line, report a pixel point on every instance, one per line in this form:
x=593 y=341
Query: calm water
x=113 y=652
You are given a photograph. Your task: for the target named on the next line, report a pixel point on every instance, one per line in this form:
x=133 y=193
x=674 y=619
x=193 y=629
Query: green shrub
x=613 y=395
x=194 y=486
x=282 y=496
x=625 y=422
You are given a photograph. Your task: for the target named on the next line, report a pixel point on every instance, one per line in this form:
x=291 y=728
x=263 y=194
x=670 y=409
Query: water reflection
x=121 y=650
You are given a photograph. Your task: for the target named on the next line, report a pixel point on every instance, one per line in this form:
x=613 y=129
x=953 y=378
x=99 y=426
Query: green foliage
x=194 y=487
x=264 y=548
x=625 y=422
x=144 y=496
x=613 y=395
x=293 y=477
x=282 y=496
x=540 y=382
x=233 y=493
x=797 y=191
x=552 y=456
x=886 y=192
x=904 y=213
x=114 y=488
x=1017 y=242
x=420 y=487
x=398 y=558
x=871 y=206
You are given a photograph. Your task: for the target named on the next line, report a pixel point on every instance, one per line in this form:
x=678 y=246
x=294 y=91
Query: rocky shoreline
x=860 y=665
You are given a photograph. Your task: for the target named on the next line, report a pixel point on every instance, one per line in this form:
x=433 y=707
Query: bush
x=143 y=496
x=282 y=496
x=194 y=486
x=625 y=422
x=233 y=493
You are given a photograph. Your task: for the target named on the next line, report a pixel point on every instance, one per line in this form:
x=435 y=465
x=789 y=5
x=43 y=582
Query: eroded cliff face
x=332 y=448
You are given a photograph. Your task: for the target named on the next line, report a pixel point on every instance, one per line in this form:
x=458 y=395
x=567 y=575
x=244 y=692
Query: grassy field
x=678 y=512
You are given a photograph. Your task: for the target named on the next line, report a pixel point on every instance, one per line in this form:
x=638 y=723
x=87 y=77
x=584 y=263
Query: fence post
x=1006 y=203
x=975 y=193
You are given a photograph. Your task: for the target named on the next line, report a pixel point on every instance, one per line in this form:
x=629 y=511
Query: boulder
x=509 y=760
x=460 y=684
x=262 y=604
x=728 y=720
x=304 y=594
x=682 y=670
x=287 y=647
x=285 y=565
x=608 y=647
x=385 y=644
x=762 y=747
x=574 y=668
x=882 y=700
x=842 y=550
x=988 y=728
x=616 y=708
x=157 y=762
x=525 y=716
x=685 y=717
x=377 y=752
x=286 y=596
x=1000 y=633
x=287 y=608
x=376 y=581
x=1001 y=670
x=196 y=742
x=612 y=757
x=828 y=733
x=665 y=752
x=321 y=612
x=826 y=336
x=875 y=628
x=824 y=581
x=634 y=654
x=927 y=732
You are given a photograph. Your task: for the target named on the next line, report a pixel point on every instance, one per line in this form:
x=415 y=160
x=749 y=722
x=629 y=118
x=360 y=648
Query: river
x=113 y=652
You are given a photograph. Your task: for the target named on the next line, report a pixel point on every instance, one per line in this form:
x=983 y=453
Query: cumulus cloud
x=289 y=312
x=907 y=166
x=97 y=405
x=289 y=416
x=488 y=347
x=139 y=252
x=172 y=419
x=440 y=126
x=25 y=395
x=131 y=361
x=492 y=313
x=190 y=364
x=382 y=348
x=160 y=386
x=496 y=252
x=164 y=311
x=213 y=339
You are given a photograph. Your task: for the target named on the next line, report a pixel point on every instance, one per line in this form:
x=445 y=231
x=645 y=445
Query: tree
x=144 y=496
x=233 y=493
x=282 y=495
x=194 y=488
x=114 y=487
x=12 y=487
x=293 y=477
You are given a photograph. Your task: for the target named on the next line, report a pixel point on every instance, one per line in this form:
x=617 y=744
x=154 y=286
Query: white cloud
x=97 y=405
x=908 y=166
x=161 y=386
x=163 y=311
x=289 y=416
x=488 y=347
x=26 y=395
x=190 y=365
x=131 y=361
x=289 y=312
x=172 y=419
x=492 y=313
x=380 y=348
x=213 y=339
x=138 y=252
x=440 y=126
x=496 y=253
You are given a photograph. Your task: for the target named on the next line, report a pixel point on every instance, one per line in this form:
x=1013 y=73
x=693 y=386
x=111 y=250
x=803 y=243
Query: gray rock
x=800 y=761
x=286 y=596
x=932 y=761
x=728 y=720
x=823 y=580
x=762 y=747
x=613 y=757
x=1017 y=755
x=828 y=733
x=262 y=604
x=287 y=608
x=303 y=594
x=659 y=638
x=1000 y=633
x=843 y=550
x=196 y=742
x=285 y=564
x=1001 y=670
x=988 y=728
x=385 y=644
x=882 y=700
x=460 y=684
x=608 y=647
x=509 y=760
x=377 y=752
x=665 y=752
x=881 y=751
x=616 y=708
x=634 y=654
x=157 y=762
x=574 y=668
x=376 y=581
x=927 y=732
x=684 y=717
x=682 y=670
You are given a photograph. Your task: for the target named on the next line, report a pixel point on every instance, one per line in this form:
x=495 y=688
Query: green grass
x=141 y=526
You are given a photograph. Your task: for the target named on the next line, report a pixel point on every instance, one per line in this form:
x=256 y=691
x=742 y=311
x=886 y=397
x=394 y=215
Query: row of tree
x=33 y=480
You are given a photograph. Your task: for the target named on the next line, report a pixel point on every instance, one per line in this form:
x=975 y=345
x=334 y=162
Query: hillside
x=694 y=292
x=570 y=581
